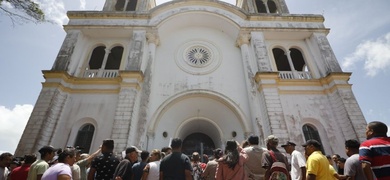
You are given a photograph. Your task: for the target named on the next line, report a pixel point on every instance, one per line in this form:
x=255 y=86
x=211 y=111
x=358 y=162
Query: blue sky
x=360 y=38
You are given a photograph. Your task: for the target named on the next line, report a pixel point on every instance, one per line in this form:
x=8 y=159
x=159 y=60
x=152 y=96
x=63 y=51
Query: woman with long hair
x=61 y=170
x=231 y=164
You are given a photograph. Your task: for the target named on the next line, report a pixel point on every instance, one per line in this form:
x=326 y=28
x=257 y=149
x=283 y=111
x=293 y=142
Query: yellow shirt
x=318 y=165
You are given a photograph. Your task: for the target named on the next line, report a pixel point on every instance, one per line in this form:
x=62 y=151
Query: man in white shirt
x=298 y=161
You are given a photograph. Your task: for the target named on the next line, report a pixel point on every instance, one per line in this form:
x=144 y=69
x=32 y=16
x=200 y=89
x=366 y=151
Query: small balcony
x=294 y=75
x=100 y=73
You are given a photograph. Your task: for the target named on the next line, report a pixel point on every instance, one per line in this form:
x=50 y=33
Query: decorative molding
x=198 y=57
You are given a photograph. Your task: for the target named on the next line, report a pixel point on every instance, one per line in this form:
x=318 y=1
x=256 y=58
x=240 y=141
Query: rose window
x=198 y=55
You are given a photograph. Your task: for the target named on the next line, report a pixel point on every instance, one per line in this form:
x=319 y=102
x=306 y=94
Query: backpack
x=278 y=169
x=197 y=171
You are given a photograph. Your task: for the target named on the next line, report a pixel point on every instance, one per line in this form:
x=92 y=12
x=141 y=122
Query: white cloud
x=374 y=53
x=54 y=10
x=83 y=3
x=13 y=121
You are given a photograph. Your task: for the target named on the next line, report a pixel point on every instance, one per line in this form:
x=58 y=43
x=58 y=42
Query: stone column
x=243 y=42
x=64 y=56
x=126 y=111
x=330 y=61
x=271 y=105
x=44 y=119
x=136 y=51
x=102 y=67
x=260 y=50
x=152 y=39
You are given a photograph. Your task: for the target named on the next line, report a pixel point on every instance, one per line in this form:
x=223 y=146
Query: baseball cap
x=48 y=148
x=313 y=142
x=288 y=143
x=132 y=149
x=272 y=139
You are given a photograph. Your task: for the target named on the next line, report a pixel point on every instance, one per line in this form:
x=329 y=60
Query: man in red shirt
x=375 y=152
x=21 y=172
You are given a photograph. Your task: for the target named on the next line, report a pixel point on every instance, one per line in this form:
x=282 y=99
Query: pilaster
x=260 y=50
x=124 y=120
x=350 y=118
x=327 y=55
x=136 y=52
x=44 y=119
x=243 y=42
x=273 y=115
x=153 y=40
x=64 y=55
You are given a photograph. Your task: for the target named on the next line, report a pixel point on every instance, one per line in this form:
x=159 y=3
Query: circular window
x=198 y=57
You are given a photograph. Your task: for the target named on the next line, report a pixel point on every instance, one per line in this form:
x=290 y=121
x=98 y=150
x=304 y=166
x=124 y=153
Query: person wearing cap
x=176 y=165
x=40 y=166
x=124 y=169
x=317 y=164
x=353 y=167
x=104 y=165
x=298 y=161
x=138 y=168
x=374 y=152
x=254 y=153
x=268 y=156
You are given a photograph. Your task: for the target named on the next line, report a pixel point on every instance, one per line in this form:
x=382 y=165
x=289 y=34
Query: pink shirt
x=55 y=170
x=238 y=173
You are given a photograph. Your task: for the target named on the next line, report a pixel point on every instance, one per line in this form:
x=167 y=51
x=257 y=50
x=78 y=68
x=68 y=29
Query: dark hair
x=328 y=157
x=253 y=140
x=176 y=143
x=4 y=155
x=231 y=156
x=108 y=143
x=338 y=156
x=144 y=155
x=30 y=158
x=379 y=128
x=71 y=152
x=352 y=143
x=217 y=153
x=166 y=149
x=342 y=160
x=195 y=156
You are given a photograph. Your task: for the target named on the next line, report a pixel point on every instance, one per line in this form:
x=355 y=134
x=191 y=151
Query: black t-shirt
x=174 y=165
x=124 y=170
x=105 y=165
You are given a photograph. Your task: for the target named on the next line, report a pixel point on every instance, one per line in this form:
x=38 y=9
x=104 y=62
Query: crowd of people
x=238 y=161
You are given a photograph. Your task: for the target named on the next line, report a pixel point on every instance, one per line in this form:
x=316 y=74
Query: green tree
x=23 y=11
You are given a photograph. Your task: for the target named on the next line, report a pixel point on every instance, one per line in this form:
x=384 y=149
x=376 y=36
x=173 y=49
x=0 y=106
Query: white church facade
x=202 y=70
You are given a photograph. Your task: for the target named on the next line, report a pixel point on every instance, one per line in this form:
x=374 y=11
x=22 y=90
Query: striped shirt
x=376 y=151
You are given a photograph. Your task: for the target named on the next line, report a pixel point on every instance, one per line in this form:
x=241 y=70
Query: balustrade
x=96 y=73
x=294 y=75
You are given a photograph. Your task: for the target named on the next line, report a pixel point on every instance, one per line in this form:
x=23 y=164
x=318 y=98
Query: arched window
x=297 y=59
x=261 y=6
x=272 y=6
x=84 y=137
x=120 y=4
x=281 y=60
x=114 y=58
x=131 y=5
x=310 y=132
x=97 y=57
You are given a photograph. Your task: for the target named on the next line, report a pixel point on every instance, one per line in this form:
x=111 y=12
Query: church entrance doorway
x=198 y=142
